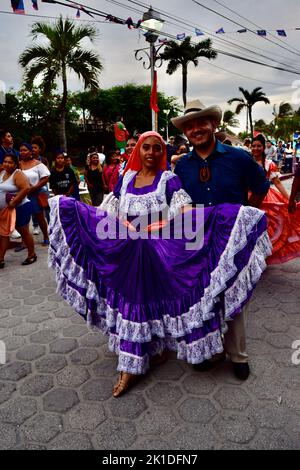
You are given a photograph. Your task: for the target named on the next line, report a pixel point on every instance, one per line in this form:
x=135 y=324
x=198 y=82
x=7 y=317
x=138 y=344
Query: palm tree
x=285 y=110
x=249 y=100
x=180 y=55
x=229 y=119
x=284 y=120
x=266 y=128
x=61 y=54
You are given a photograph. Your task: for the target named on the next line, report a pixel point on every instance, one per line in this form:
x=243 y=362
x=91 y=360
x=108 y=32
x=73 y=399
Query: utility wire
x=91 y=9
x=249 y=51
x=101 y=13
x=243 y=76
x=242 y=26
x=259 y=27
x=47 y=17
x=215 y=37
x=113 y=2
x=211 y=64
x=105 y=22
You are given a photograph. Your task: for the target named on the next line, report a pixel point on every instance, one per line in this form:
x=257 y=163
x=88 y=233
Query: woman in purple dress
x=145 y=282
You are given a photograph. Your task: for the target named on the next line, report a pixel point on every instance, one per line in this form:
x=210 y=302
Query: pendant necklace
x=204 y=174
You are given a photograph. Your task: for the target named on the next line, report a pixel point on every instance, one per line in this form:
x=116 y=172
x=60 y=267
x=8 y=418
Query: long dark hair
x=3 y=133
x=14 y=158
x=260 y=138
x=38 y=140
x=109 y=156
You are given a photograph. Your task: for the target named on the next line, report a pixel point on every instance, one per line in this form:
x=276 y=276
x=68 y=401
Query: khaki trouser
x=235 y=338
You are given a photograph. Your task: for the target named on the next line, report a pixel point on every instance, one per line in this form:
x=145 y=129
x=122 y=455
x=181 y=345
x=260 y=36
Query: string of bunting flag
x=19 y=8
x=260 y=32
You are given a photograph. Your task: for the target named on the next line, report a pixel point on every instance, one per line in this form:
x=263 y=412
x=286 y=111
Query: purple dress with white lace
x=152 y=293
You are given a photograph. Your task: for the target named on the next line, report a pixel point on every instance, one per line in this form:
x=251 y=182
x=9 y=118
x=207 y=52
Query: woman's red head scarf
x=134 y=161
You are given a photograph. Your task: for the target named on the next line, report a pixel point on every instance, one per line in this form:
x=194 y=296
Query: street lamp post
x=153 y=24
x=152 y=54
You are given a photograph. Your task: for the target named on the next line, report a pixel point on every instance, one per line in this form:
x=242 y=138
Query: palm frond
x=285 y=109
x=264 y=100
x=87 y=31
x=87 y=66
x=50 y=75
x=233 y=100
x=35 y=52
x=240 y=107
x=186 y=52
x=245 y=93
x=173 y=66
x=33 y=72
x=63 y=50
x=41 y=28
x=250 y=98
x=81 y=56
x=257 y=90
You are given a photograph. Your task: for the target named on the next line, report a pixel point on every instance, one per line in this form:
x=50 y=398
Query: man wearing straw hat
x=213 y=173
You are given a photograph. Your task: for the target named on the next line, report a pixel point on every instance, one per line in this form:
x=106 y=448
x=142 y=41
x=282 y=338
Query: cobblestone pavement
x=55 y=388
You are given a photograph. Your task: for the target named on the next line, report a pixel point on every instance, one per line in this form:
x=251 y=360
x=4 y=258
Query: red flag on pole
x=153 y=97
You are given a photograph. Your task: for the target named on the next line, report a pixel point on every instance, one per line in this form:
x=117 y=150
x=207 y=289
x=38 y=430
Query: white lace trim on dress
x=67 y=271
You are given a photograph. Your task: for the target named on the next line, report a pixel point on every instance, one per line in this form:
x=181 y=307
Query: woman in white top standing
x=14 y=187
x=38 y=176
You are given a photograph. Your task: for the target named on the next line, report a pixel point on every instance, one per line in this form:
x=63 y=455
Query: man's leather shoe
x=203 y=366
x=209 y=364
x=241 y=370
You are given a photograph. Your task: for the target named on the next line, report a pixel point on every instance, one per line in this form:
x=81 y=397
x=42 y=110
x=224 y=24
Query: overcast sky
x=211 y=84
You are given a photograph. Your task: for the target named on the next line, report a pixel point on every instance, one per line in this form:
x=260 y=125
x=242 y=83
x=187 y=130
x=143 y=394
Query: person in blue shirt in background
x=68 y=164
x=279 y=154
x=214 y=173
x=171 y=148
x=297 y=151
x=6 y=145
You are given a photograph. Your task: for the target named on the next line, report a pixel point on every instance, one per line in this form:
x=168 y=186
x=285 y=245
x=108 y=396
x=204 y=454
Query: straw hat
x=196 y=109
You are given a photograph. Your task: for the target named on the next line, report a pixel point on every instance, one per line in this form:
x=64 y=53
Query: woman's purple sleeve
x=173 y=185
x=118 y=187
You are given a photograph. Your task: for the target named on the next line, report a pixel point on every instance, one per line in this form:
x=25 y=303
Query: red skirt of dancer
x=283 y=228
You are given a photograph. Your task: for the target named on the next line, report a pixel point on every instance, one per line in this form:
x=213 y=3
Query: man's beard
x=206 y=144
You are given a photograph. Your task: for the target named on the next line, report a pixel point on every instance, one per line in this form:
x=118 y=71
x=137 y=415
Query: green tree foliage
x=286 y=126
x=284 y=110
x=229 y=119
x=250 y=98
x=62 y=53
x=11 y=116
x=131 y=102
x=28 y=112
x=182 y=53
x=265 y=128
x=286 y=121
x=243 y=135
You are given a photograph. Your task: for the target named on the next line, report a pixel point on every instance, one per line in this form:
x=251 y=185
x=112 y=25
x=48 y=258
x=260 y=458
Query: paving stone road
x=55 y=388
